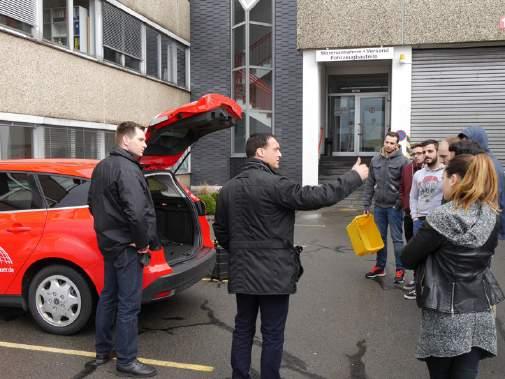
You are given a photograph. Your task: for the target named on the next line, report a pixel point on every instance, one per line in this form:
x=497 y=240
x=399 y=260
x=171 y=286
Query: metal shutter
x=456 y=88
x=121 y=31
x=21 y=10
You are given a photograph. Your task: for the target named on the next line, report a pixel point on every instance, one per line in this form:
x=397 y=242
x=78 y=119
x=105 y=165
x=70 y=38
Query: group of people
x=449 y=198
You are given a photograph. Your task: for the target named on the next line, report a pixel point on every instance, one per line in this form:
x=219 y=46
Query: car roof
x=73 y=167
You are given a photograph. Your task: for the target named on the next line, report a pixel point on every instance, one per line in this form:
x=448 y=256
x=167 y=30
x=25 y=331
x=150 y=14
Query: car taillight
x=163 y=294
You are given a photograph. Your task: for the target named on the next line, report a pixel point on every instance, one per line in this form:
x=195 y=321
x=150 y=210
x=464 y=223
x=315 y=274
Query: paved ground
x=340 y=324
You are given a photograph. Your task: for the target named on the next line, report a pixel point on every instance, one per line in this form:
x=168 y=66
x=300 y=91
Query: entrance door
x=357 y=123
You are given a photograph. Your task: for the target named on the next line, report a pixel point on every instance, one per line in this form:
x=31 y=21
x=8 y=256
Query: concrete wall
x=171 y=14
x=329 y=23
x=45 y=81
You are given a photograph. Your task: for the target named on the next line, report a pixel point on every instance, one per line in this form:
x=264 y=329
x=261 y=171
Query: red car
x=49 y=258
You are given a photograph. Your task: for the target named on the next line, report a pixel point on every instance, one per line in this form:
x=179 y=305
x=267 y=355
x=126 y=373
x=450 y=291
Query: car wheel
x=60 y=300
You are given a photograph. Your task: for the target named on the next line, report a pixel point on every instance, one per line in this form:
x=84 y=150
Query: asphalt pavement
x=340 y=325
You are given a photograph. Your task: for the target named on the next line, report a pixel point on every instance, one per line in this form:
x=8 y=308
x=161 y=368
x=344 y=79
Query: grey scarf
x=469 y=228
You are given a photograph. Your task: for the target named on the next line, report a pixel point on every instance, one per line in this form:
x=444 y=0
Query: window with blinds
x=152 y=53
x=18 y=14
x=122 y=33
x=68 y=142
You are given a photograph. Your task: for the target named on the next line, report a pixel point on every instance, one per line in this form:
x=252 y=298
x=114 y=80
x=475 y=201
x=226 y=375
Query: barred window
x=122 y=37
x=18 y=14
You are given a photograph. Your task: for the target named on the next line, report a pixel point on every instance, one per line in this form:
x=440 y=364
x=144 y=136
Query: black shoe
x=136 y=369
x=100 y=359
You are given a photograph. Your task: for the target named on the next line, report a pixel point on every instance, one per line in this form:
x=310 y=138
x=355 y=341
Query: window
x=18 y=191
x=252 y=70
x=152 y=53
x=16 y=141
x=77 y=35
x=68 y=142
x=64 y=191
x=122 y=37
x=18 y=14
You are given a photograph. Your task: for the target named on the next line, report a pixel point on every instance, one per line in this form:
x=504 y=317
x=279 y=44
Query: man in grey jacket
x=383 y=185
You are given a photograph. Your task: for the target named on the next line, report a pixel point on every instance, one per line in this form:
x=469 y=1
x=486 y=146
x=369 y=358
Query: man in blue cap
x=479 y=135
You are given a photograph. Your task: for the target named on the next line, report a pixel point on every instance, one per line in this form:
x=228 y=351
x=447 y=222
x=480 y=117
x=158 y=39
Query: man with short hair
x=125 y=225
x=444 y=154
x=406 y=184
x=254 y=221
x=383 y=185
x=426 y=193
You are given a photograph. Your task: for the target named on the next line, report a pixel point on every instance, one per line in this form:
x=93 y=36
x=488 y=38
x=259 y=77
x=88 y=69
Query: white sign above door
x=364 y=54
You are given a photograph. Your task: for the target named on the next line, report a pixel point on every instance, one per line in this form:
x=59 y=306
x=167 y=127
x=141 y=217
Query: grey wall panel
x=210 y=72
x=456 y=88
x=288 y=89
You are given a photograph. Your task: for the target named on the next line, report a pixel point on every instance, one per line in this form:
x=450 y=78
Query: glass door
x=372 y=123
x=341 y=123
x=356 y=123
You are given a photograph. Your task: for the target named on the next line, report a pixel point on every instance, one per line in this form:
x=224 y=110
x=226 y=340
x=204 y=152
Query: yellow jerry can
x=364 y=235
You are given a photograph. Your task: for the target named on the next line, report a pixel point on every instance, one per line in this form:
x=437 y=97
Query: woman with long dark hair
x=451 y=254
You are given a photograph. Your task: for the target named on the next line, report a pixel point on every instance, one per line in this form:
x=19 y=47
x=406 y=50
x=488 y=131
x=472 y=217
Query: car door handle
x=19 y=229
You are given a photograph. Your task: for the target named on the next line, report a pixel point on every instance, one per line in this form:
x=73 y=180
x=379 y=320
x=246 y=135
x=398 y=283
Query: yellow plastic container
x=364 y=235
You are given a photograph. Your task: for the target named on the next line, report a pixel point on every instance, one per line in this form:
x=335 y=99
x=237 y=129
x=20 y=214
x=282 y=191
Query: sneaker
x=375 y=272
x=399 y=276
x=136 y=369
x=410 y=295
x=410 y=285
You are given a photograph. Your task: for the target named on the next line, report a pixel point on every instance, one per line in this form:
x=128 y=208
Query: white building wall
x=401 y=87
x=312 y=103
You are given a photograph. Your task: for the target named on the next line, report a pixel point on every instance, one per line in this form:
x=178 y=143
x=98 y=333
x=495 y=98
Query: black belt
x=422 y=218
x=265 y=244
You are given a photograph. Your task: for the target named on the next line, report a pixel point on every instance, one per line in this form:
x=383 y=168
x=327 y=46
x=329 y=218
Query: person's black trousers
x=465 y=366
x=408 y=226
x=274 y=312
x=119 y=304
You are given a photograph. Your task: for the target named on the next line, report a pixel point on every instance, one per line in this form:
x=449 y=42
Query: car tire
x=60 y=300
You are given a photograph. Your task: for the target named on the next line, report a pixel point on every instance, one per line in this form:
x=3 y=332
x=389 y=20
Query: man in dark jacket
x=255 y=217
x=383 y=185
x=479 y=135
x=125 y=225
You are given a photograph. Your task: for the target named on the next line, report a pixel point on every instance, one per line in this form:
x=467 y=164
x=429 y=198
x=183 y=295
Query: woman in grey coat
x=456 y=289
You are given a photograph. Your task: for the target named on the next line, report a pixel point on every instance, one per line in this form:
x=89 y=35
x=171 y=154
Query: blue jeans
x=120 y=303
x=394 y=218
x=274 y=312
x=417 y=225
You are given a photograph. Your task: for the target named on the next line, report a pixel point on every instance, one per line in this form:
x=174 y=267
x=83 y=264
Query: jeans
x=417 y=225
x=120 y=302
x=465 y=366
x=394 y=218
x=274 y=312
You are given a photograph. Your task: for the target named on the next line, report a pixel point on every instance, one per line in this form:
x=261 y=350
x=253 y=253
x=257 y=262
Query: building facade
x=359 y=69
x=71 y=70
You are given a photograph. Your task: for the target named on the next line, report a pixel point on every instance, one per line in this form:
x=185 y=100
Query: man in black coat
x=255 y=218
x=125 y=225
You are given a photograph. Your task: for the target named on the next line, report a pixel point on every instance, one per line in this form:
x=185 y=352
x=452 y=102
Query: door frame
x=357 y=121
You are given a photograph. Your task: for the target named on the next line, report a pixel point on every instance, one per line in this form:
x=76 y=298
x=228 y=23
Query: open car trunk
x=176 y=217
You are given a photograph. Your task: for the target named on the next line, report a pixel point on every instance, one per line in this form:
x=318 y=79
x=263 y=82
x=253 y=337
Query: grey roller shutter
x=21 y=10
x=121 y=31
x=456 y=88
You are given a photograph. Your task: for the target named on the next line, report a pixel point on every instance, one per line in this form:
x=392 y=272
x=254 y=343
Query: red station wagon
x=49 y=258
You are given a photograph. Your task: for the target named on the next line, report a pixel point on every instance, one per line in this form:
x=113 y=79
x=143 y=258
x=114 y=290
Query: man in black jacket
x=255 y=217
x=125 y=225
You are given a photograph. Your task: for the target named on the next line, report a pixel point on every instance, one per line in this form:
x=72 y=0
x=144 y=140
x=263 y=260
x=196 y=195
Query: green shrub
x=214 y=195
x=209 y=201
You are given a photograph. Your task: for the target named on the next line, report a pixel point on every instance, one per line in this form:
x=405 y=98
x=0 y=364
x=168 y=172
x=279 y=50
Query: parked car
x=50 y=263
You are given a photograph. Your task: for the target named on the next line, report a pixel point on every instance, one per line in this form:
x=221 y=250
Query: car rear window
x=18 y=191
x=64 y=191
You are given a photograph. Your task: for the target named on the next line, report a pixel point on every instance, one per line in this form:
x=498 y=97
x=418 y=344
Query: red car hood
x=170 y=133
